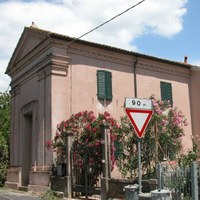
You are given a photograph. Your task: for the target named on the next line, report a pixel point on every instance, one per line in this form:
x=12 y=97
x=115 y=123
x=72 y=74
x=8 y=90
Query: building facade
x=52 y=78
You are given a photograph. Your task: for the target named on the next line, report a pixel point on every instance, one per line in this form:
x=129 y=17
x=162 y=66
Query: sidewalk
x=8 y=194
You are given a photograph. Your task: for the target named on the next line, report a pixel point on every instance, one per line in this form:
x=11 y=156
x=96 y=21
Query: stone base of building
x=11 y=185
x=40 y=176
x=13 y=180
x=39 y=179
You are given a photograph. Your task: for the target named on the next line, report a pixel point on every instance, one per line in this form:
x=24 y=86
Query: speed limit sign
x=135 y=103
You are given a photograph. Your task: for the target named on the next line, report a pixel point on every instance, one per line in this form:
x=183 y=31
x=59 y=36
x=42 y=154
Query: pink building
x=53 y=78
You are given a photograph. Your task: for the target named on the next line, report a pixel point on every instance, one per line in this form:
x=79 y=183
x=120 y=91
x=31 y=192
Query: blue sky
x=184 y=43
x=162 y=28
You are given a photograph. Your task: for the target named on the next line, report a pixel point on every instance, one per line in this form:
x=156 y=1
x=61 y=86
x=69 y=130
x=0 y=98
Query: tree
x=86 y=129
x=4 y=134
x=167 y=123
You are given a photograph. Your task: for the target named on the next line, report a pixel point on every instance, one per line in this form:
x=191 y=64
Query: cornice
x=173 y=70
x=142 y=63
x=51 y=64
x=101 y=56
x=55 y=65
x=15 y=91
x=56 y=70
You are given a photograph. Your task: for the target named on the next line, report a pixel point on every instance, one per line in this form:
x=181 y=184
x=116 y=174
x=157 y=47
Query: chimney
x=185 y=60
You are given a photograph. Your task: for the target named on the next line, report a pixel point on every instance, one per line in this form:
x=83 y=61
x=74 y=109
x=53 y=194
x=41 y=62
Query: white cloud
x=4 y=84
x=197 y=63
x=75 y=17
x=4 y=79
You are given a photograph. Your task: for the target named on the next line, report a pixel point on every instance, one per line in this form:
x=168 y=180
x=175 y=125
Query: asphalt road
x=12 y=195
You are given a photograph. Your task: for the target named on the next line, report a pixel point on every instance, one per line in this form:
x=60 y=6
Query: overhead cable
x=106 y=22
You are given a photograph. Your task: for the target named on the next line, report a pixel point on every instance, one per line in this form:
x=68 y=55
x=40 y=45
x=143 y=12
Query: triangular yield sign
x=139 y=119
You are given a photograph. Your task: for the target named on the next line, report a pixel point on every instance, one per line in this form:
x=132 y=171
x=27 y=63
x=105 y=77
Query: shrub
x=4 y=135
x=49 y=195
x=168 y=122
x=4 y=159
x=86 y=130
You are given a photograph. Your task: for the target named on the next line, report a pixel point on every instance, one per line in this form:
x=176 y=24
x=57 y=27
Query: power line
x=106 y=22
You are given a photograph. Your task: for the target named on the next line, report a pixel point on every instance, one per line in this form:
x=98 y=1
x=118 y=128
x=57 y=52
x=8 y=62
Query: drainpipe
x=135 y=80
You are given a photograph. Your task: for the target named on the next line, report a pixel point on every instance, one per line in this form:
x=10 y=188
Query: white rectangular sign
x=135 y=103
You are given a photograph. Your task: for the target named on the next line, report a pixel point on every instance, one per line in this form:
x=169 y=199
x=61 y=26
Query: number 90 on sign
x=136 y=103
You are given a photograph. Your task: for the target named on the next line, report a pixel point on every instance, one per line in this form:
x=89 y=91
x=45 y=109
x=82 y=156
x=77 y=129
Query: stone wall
x=116 y=186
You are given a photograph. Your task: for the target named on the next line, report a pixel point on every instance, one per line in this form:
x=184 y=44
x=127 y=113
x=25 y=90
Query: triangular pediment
x=29 y=44
x=29 y=40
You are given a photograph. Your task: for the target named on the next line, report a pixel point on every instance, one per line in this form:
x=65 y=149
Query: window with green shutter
x=166 y=92
x=104 y=85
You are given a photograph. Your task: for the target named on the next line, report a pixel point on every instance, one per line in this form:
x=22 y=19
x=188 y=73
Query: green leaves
x=4 y=134
x=86 y=129
x=4 y=159
x=167 y=123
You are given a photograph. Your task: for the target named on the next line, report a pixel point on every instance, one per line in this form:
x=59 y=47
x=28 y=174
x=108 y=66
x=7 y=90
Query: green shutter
x=101 y=90
x=108 y=86
x=104 y=85
x=166 y=92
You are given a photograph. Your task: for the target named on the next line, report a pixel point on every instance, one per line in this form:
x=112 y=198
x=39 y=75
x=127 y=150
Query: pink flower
x=164 y=122
x=94 y=130
x=91 y=113
x=155 y=104
x=92 y=118
x=158 y=111
x=48 y=144
x=88 y=127
x=84 y=120
x=161 y=103
x=106 y=114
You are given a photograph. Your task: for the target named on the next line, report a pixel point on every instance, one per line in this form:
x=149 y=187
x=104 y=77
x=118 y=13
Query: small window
x=104 y=85
x=166 y=92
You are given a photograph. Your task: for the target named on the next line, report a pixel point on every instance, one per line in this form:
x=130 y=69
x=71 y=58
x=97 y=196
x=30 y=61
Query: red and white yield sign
x=139 y=112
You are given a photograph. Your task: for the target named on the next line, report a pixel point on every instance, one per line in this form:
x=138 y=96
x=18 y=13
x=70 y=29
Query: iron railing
x=182 y=182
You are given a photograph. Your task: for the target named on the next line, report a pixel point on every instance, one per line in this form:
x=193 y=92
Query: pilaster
x=16 y=127
x=14 y=172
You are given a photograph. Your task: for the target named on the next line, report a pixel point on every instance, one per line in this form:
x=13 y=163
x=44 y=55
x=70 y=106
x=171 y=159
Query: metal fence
x=182 y=182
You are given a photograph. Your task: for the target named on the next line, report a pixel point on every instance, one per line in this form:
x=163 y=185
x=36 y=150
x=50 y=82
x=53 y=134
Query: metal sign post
x=139 y=112
x=139 y=165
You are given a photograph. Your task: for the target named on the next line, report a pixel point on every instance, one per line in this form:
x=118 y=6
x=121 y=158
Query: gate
x=85 y=174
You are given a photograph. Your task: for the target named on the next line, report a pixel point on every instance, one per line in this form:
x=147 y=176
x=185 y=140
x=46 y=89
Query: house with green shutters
x=53 y=77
